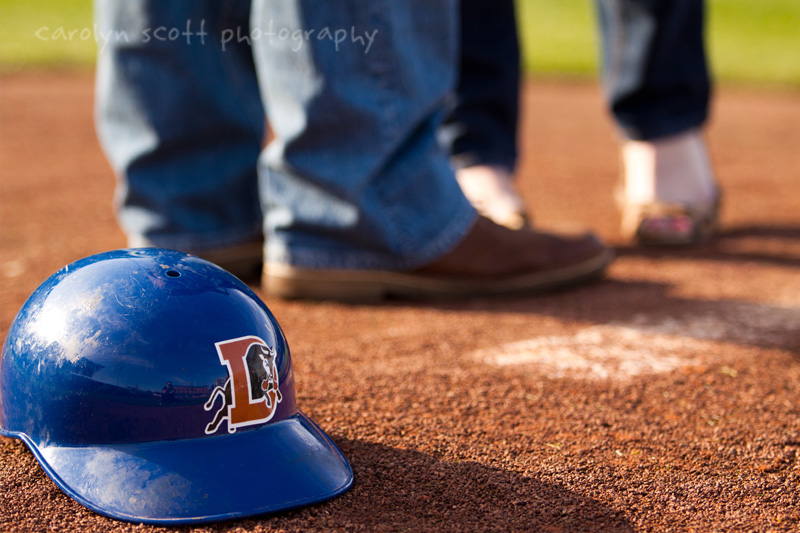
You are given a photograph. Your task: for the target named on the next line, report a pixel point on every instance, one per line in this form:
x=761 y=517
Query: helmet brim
x=283 y=465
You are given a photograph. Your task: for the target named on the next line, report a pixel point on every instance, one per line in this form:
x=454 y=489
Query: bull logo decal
x=251 y=394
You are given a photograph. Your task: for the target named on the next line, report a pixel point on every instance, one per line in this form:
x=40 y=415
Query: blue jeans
x=655 y=75
x=354 y=176
x=481 y=125
x=655 y=72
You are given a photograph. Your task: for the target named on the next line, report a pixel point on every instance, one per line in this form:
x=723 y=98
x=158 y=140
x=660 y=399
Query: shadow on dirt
x=754 y=243
x=758 y=230
x=394 y=490
x=652 y=307
x=405 y=490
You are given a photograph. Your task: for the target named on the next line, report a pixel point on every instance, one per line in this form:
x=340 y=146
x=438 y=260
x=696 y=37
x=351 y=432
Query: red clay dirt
x=663 y=398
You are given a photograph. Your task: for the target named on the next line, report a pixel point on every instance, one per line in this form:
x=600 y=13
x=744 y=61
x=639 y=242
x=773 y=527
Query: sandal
x=670 y=224
x=682 y=161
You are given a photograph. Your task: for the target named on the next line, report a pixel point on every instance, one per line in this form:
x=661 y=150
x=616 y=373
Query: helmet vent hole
x=173 y=273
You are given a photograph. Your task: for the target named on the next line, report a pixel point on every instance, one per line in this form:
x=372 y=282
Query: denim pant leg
x=180 y=120
x=354 y=177
x=654 y=65
x=481 y=127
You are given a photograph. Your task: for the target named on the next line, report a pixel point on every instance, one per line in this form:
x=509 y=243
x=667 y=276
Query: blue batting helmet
x=153 y=386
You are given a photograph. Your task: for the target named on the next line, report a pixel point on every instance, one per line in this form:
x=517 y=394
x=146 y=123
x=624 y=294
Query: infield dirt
x=662 y=398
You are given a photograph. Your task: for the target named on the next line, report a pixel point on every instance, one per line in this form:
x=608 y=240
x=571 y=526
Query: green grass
x=558 y=37
x=749 y=41
x=755 y=40
x=21 y=20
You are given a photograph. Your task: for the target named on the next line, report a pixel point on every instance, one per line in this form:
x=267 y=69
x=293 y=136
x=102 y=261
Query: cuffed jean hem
x=201 y=242
x=652 y=129
x=341 y=258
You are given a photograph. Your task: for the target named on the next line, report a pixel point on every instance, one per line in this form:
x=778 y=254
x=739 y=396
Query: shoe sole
x=290 y=283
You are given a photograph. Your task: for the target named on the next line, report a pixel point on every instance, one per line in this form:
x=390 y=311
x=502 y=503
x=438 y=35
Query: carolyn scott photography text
x=194 y=33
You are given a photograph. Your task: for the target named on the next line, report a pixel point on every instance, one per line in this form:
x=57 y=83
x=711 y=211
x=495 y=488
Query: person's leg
x=359 y=198
x=180 y=119
x=480 y=129
x=354 y=177
x=658 y=88
x=654 y=66
x=481 y=126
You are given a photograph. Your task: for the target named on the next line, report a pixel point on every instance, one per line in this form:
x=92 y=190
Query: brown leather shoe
x=491 y=260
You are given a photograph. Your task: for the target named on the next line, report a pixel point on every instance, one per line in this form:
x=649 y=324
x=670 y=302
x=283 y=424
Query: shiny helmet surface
x=153 y=386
